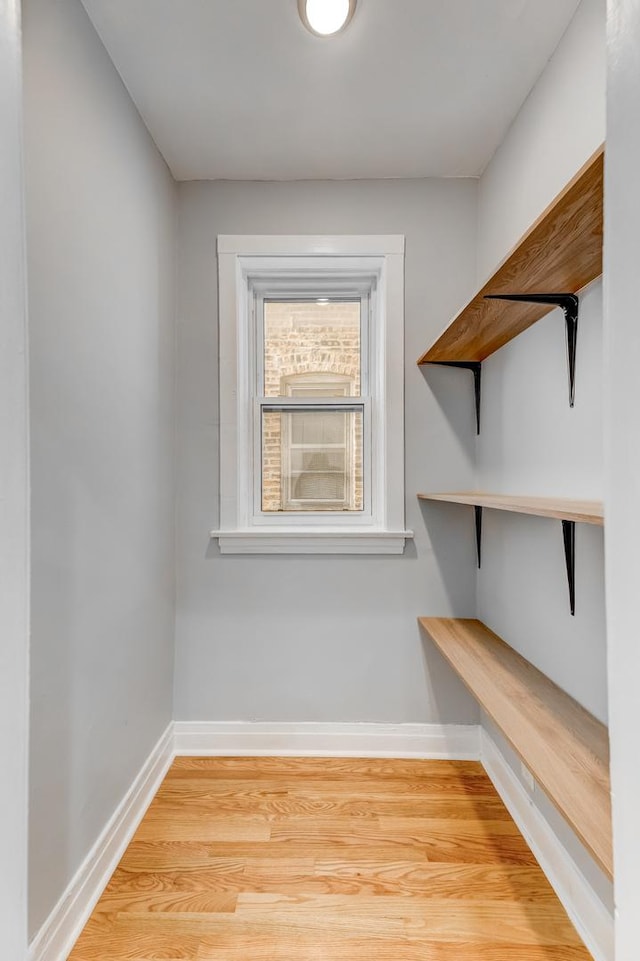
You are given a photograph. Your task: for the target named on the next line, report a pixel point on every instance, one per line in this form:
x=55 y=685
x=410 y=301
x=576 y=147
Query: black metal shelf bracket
x=570 y=305
x=569 y=538
x=478 y=513
x=475 y=367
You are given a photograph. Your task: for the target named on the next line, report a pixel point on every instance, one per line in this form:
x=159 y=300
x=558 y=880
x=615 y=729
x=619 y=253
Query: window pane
x=318 y=429
x=311 y=346
x=312 y=461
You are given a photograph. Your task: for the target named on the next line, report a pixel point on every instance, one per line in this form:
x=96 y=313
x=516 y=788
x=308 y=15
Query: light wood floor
x=287 y=859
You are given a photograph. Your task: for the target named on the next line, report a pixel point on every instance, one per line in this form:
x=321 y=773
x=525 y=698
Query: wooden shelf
x=565 y=748
x=586 y=512
x=562 y=252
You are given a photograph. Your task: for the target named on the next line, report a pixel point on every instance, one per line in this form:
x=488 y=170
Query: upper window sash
x=329 y=297
x=364 y=293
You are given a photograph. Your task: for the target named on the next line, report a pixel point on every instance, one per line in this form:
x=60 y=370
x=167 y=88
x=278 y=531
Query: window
x=311 y=395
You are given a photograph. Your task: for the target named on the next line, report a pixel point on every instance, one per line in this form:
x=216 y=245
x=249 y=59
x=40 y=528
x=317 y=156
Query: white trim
x=318 y=245
x=246 y=738
x=592 y=920
x=300 y=541
x=64 y=925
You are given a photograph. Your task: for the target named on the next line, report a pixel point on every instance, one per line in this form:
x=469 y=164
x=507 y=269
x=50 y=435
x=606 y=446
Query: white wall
x=622 y=457
x=326 y=638
x=531 y=441
x=100 y=222
x=14 y=500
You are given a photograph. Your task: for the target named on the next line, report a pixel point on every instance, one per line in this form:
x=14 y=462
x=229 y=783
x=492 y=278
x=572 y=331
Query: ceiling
x=238 y=89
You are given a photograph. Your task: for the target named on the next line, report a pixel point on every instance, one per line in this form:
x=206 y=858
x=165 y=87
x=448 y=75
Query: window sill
x=311 y=541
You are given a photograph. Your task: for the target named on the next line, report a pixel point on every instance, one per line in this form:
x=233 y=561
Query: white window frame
x=249 y=268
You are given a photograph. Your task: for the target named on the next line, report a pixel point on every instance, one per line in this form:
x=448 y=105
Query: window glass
x=311 y=337
x=312 y=460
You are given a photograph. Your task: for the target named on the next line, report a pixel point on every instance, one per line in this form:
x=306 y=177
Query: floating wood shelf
x=565 y=748
x=585 y=512
x=561 y=252
x=563 y=509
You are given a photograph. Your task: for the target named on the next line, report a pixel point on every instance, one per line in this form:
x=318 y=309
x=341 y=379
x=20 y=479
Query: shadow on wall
x=447 y=384
x=445 y=687
x=451 y=530
x=212 y=552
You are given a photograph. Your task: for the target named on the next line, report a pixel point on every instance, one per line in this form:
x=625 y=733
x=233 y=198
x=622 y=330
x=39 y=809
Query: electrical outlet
x=527 y=777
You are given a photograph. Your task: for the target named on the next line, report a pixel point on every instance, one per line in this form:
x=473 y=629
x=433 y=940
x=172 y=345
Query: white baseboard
x=592 y=920
x=62 y=928
x=239 y=738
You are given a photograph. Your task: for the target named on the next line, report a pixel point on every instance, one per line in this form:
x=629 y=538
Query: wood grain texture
x=565 y=748
x=269 y=859
x=561 y=253
x=561 y=508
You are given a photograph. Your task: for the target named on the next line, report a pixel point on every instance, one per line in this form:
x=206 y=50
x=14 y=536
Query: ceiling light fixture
x=326 y=17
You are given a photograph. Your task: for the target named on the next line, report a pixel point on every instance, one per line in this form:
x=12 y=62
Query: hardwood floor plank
x=482 y=882
x=108 y=939
x=171 y=901
x=241 y=876
x=437 y=841
x=294 y=944
x=267 y=875
x=292 y=804
x=435 y=920
x=186 y=828
x=323 y=767
x=445 y=786
x=158 y=854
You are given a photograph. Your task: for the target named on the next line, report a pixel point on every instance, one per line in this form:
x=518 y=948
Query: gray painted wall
x=326 y=638
x=622 y=457
x=100 y=260
x=14 y=499
x=531 y=441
